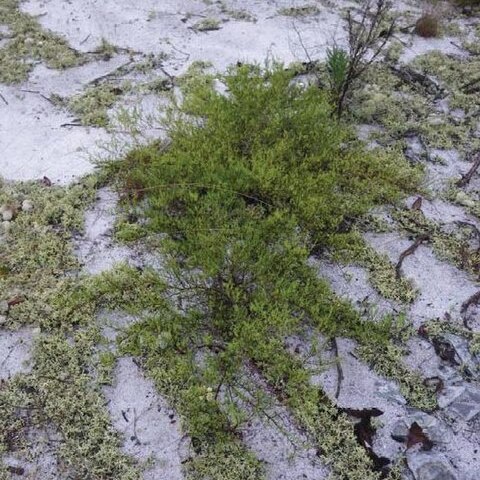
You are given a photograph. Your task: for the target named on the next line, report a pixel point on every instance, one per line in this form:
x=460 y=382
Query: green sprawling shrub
x=250 y=182
x=267 y=148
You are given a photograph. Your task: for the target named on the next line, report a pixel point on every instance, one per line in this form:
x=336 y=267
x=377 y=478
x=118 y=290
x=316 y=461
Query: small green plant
x=337 y=68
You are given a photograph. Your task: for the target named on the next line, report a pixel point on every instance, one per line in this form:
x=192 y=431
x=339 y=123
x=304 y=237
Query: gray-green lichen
x=406 y=108
x=28 y=43
x=207 y=24
x=382 y=274
x=301 y=11
x=39 y=282
x=93 y=104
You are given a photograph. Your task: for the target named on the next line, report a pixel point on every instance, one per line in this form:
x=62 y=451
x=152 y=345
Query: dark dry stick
x=409 y=251
x=113 y=73
x=85 y=39
x=71 y=125
x=339 y=367
x=307 y=53
x=468 y=176
x=4 y=99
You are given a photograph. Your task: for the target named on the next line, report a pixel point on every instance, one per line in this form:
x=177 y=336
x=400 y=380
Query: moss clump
x=458 y=75
x=382 y=273
x=241 y=15
x=29 y=43
x=106 y=49
x=242 y=193
x=37 y=251
x=470 y=200
x=435 y=328
x=126 y=232
x=394 y=51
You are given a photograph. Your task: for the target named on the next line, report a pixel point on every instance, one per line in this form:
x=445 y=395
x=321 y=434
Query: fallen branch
x=409 y=251
x=85 y=39
x=4 y=99
x=307 y=54
x=411 y=76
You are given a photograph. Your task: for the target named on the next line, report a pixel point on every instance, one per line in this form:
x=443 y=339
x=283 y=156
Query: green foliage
x=129 y=232
x=337 y=67
x=269 y=146
x=29 y=43
x=249 y=184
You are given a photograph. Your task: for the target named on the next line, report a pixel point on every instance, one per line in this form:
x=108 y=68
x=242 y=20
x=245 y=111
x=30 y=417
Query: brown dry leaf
x=416 y=436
